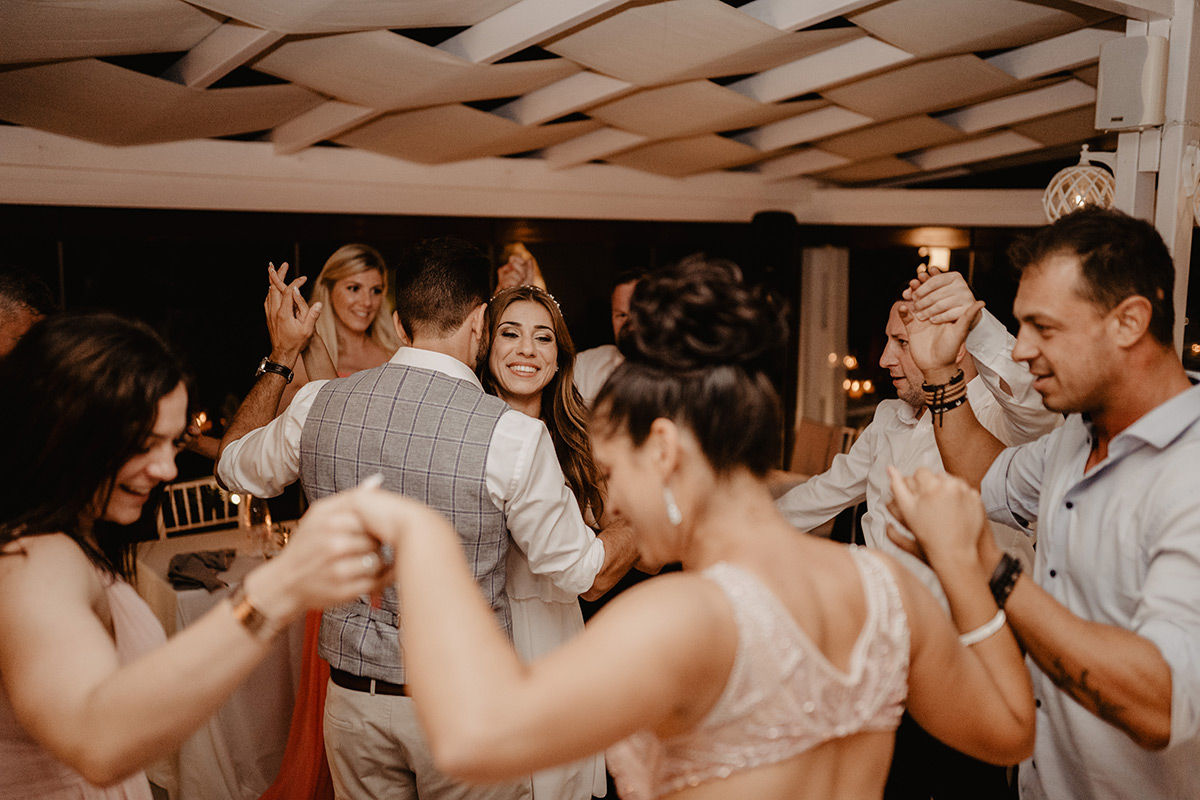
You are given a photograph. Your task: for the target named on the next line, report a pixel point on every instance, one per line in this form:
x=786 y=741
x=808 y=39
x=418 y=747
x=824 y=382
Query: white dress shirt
x=897 y=436
x=522 y=473
x=592 y=368
x=1119 y=546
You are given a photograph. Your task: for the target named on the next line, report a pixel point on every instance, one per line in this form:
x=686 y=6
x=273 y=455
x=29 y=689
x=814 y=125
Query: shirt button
x=1070 y=504
x=1053 y=573
x=1038 y=703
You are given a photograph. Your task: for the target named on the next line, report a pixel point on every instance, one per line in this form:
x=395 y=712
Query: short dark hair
x=439 y=282
x=1119 y=256
x=20 y=287
x=697 y=349
x=626 y=276
x=82 y=391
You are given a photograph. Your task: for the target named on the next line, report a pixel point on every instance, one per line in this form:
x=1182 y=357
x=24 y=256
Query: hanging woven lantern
x=1078 y=186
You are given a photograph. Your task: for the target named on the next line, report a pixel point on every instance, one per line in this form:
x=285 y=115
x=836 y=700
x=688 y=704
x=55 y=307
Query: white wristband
x=983 y=631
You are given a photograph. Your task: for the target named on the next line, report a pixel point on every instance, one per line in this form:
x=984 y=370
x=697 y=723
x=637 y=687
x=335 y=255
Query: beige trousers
x=377 y=751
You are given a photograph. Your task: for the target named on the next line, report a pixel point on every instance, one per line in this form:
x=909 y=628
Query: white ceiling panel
x=840 y=63
x=803 y=128
x=834 y=90
x=454 y=133
x=927 y=86
x=103 y=103
x=360 y=68
x=682 y=157
x=1021 y=107
x=995 y=145
x=804 y=161
x=877 y=169
x=684 y=109
x=897 y=136
x=936 y=27
x=1055 y=54
x=336 y=16
x=1073 y=126
x=591 y=146
x=653 y=44
x=41 y=31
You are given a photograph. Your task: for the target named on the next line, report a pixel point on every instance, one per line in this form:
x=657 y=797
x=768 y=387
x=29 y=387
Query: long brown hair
x=562 y=406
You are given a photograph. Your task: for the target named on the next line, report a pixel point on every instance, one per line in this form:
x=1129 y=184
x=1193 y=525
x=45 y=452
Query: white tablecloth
x=237 y=753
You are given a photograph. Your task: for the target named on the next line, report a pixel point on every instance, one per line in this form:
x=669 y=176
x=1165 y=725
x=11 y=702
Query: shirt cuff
x=993 y=490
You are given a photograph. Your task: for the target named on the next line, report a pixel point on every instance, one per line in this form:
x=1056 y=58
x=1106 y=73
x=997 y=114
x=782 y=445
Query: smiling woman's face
x=356 y=300
x=524 y=352
x=153 y=464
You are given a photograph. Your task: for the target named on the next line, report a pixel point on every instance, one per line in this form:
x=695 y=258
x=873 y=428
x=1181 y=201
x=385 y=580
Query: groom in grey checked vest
x=424 y=422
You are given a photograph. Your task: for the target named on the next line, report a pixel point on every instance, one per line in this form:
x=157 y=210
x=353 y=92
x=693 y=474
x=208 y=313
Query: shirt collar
x=438 y=362
x=1162 y=425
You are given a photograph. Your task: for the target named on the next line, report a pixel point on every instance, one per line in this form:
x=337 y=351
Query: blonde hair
x=349 y=260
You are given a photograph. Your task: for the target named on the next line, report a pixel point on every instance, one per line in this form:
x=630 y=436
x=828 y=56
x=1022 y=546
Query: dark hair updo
x=697 y=348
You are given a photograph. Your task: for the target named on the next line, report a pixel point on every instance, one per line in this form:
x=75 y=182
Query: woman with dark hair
x=776 y=665
x=92 y=692
x=530 y=366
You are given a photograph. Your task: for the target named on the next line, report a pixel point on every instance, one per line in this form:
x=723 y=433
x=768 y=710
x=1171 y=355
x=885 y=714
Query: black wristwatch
x=1004 y=578
x=267 y=365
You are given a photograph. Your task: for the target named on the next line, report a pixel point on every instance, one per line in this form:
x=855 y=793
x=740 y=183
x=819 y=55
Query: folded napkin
x=199 y=569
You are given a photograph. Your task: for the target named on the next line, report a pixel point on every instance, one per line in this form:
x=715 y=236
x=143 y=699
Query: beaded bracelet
x=942 y=397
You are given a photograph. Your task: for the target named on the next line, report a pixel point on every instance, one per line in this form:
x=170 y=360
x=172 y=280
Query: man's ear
x=477 y=317
x=1130 y=320
x=399 y=326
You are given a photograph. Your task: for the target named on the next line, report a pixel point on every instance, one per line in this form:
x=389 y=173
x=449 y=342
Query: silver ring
x=370 y=561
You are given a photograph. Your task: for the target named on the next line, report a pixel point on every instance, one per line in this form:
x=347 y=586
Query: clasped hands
x=939 y=312
x=290 y=320
x=945 y=521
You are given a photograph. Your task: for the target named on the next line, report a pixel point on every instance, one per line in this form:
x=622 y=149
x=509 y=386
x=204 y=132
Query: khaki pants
x=377 y=752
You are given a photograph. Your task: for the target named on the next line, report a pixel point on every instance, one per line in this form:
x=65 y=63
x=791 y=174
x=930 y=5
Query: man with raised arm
x=424 y=422
x=1111 y=614
x=901 y=435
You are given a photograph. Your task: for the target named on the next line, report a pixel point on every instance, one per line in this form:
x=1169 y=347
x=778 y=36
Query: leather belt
x=358 y=683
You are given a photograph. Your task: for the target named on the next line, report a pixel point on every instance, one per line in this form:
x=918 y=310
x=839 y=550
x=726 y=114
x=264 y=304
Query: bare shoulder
x=680 y=620
x=51 y=565
x=677 y=634
x=678 y=600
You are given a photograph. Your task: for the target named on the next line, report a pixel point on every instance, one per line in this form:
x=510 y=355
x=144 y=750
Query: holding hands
x=330 y=559
x=290 y=320
x=939 y=314
x=945 y=517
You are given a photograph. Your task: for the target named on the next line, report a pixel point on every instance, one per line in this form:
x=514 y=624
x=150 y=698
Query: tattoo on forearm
x=1087 y=696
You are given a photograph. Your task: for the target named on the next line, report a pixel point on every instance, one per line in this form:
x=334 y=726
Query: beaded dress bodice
x=783 y=695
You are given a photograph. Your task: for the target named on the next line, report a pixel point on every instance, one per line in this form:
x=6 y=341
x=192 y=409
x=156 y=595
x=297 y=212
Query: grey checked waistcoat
x=428 y=433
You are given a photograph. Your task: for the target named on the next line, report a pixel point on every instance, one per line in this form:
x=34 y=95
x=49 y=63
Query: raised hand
x=935 y=347
x=521 y=269
x=940 y=297
x=290 y=320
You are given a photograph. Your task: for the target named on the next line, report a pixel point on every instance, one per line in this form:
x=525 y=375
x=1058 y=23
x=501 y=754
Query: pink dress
x=783 y=696
x=27 y=770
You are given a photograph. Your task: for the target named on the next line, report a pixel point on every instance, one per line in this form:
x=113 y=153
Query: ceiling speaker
x=1132 y=91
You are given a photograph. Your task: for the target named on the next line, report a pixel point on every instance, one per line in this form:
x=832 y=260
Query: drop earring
x=674 y=516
